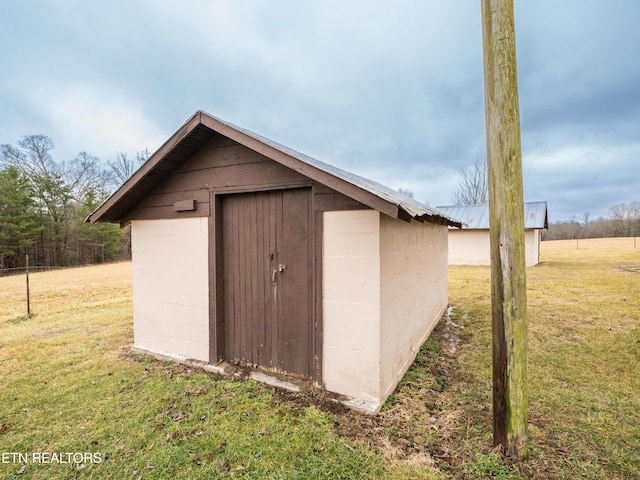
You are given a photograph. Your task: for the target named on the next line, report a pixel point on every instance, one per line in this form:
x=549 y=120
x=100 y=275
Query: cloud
x=81 y=116
x=583 y=177
x=389 y=90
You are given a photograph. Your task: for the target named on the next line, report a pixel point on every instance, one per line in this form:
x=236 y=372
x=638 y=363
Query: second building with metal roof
x=470 y=244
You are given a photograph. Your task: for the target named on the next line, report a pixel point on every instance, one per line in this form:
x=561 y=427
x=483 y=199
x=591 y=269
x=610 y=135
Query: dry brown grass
x=62 y=290
x=584 y=359
x=67 y=382
x=617 y=244
x=584 y=373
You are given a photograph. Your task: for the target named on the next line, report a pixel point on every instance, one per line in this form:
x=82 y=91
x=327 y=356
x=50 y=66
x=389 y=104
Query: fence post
x=28 y=297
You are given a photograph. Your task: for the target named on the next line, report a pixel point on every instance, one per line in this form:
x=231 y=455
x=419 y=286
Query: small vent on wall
x=184 y=205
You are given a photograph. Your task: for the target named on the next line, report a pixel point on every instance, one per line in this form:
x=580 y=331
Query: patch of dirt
x=421 y=424
x=630 y=268
x=435 y=418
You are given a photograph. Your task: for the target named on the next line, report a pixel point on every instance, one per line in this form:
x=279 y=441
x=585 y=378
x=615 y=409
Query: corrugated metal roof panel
x=477 y=216
x=471 y=216
x=535 y=215
x=411 y=206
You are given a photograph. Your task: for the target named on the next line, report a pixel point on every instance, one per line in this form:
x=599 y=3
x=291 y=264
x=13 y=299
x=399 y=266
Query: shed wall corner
x=351 y=304
x=171 y=286
x=532 y=240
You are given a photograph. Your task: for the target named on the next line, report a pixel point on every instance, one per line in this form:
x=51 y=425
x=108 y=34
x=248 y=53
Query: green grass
x=492 y=466
x=583 y=361
x=69 y=384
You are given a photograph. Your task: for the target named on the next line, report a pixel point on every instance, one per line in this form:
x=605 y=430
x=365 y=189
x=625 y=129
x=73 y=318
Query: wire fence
x=5 y=272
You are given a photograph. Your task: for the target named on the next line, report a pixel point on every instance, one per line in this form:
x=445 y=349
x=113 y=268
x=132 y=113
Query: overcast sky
x=392 y=91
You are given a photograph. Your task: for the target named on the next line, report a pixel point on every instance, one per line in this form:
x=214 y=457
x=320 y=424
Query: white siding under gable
x=473 y=247
x=469 y=247
x=171 y=286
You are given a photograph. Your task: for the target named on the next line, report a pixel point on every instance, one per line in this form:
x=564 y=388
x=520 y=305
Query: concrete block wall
x=351 y=305
x=171 y=286
x=385 y=288
x=414 y=292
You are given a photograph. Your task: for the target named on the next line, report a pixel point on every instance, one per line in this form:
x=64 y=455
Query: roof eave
x=393 y=209
x=144 y=170
x=342 y=186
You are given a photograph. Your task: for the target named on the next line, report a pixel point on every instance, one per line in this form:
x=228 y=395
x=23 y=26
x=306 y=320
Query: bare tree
x=84 y=174
x=406 y=192
x=143 y=156
x=586 y=216
x=61 y=192
x=634 y=213
x=33 y=157
x=472 y=186
x=623 y=221
x=123 y=166
x=620 y=217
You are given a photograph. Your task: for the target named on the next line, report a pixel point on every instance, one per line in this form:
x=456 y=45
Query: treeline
x=623 y=220
x=44 y=204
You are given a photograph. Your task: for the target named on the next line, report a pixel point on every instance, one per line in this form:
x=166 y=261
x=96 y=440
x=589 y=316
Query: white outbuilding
x=470 y=244
x=247 y=252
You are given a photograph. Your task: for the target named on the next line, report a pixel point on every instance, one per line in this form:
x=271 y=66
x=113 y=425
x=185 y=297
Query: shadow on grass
x=21 y=318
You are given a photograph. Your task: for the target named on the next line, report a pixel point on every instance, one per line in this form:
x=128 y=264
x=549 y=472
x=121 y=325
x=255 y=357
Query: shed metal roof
x=202 y=126
x=408 y=204
x=477 y=216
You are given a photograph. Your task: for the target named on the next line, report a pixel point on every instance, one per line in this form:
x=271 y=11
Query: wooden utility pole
x=506 y=210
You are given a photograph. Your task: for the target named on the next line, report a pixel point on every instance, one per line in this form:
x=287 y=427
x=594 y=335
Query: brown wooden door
x=266 y=280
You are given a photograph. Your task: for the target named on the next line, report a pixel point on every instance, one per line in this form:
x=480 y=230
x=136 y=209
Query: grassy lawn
x=68 y=384
x=584 y=360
